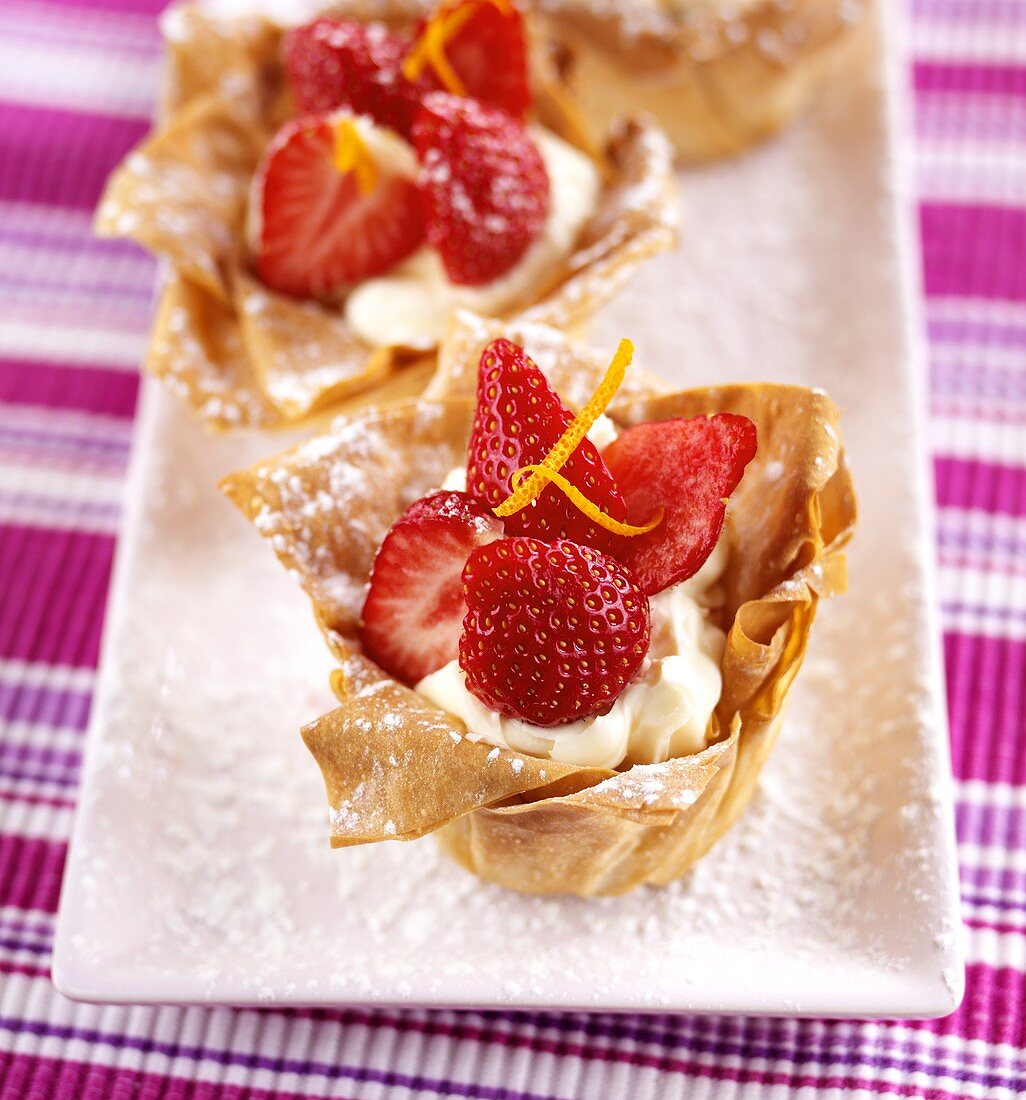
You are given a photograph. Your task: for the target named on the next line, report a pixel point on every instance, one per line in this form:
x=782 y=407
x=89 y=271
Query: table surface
x=76 y=86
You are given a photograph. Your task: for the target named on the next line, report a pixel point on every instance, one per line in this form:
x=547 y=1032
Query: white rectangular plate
x=200 y=869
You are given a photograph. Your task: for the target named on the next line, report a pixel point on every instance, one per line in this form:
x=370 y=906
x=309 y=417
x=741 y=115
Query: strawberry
x=414 y=610
x=688 y=468
x=486 y=190
x=325 y=215
x=518 y=420
x=332 y=63
x=483 y=46
x=555 y=631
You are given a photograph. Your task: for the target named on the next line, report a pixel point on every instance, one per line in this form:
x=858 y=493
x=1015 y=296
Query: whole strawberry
x=485 y=186
x=554 y=631
x=518 y=421
x=332 y=63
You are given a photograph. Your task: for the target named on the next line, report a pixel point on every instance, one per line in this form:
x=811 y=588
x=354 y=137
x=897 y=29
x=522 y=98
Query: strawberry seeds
x=458 y=91
x=551 y=621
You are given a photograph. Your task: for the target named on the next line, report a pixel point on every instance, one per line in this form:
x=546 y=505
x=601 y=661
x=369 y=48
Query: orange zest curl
x=583 y=504
x=350 y=154
x=441 y=28
x=529 y=481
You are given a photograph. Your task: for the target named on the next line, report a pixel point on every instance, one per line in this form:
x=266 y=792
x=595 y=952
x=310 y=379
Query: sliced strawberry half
x=322 y=220
x=413 y=615
x=332 y=63
x=554 y=631
x=518 y=421
x=486 y=190
x=483 y=53
x=688 y=468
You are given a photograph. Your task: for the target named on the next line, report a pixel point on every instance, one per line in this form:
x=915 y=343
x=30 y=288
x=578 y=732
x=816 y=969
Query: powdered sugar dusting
x=201 y=794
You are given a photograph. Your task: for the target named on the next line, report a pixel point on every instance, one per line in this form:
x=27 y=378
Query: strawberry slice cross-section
x=326 y=212
x=554 y=631
x=688 y=468
x=518 y=420
x=413 y=614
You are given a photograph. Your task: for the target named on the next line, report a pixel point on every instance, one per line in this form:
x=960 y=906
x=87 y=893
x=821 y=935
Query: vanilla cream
x=664 y=712
x=409 y=307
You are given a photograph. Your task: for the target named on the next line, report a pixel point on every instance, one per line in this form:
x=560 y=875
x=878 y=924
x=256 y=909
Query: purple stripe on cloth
x=798 y=1042
x=53 y=586
x=331 y=1071
x=30 y=872
x=60 y=236
x=8 y=944
x=77 y=514
x=94 y=389
x=981 y=611
x=60 y=158
x=1004 y=881
x=128 y=7
x=38 y=704
x=964 y=483
x=956 y=376
x=1012 y=908
x=933 y=76
x=66 y=27
x=62 y=762
x=974 y=11
x=973 y=250
x=22 y=774
x=992 y=334
x=987 y=707
x=1004 y=826
x=58 y=445
x=945 y=121
x=804 y=1060
x=30 y=1075
x=64 y=289
x=40 y=928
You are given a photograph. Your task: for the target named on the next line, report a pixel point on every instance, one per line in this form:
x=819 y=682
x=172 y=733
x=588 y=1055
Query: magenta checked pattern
x=77 y=80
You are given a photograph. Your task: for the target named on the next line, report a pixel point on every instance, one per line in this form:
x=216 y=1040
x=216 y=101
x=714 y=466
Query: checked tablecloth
x=77 y=79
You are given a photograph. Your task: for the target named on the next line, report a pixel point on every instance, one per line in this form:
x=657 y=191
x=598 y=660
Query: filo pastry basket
x=719 y=75
x=397 y=767
x=241 y=355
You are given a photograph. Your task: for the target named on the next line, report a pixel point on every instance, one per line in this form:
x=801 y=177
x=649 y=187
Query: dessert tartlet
x=324 y=197
x=559 y=647
x=719 y=75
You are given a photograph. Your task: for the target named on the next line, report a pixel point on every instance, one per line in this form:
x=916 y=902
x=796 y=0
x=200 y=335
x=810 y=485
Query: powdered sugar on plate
x=200 y=868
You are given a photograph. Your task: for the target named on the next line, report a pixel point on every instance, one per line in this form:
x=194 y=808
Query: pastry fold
x=244 y=356
x=396 y=766
x=719 y=75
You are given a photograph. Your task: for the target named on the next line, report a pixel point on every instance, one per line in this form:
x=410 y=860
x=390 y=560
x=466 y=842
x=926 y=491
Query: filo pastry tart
x=522 y=790
x=719 y=75
x=320 y=205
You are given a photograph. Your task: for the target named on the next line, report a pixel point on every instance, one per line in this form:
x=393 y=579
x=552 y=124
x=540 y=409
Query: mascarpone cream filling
x=410 y=306
x=663 y=713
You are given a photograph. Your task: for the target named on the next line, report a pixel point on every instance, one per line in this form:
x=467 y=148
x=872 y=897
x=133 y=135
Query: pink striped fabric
x=73 y=319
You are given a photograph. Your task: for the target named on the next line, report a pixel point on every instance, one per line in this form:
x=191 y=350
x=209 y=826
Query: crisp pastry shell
x=396 y=766
x=243 y=356
x=719 y=75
